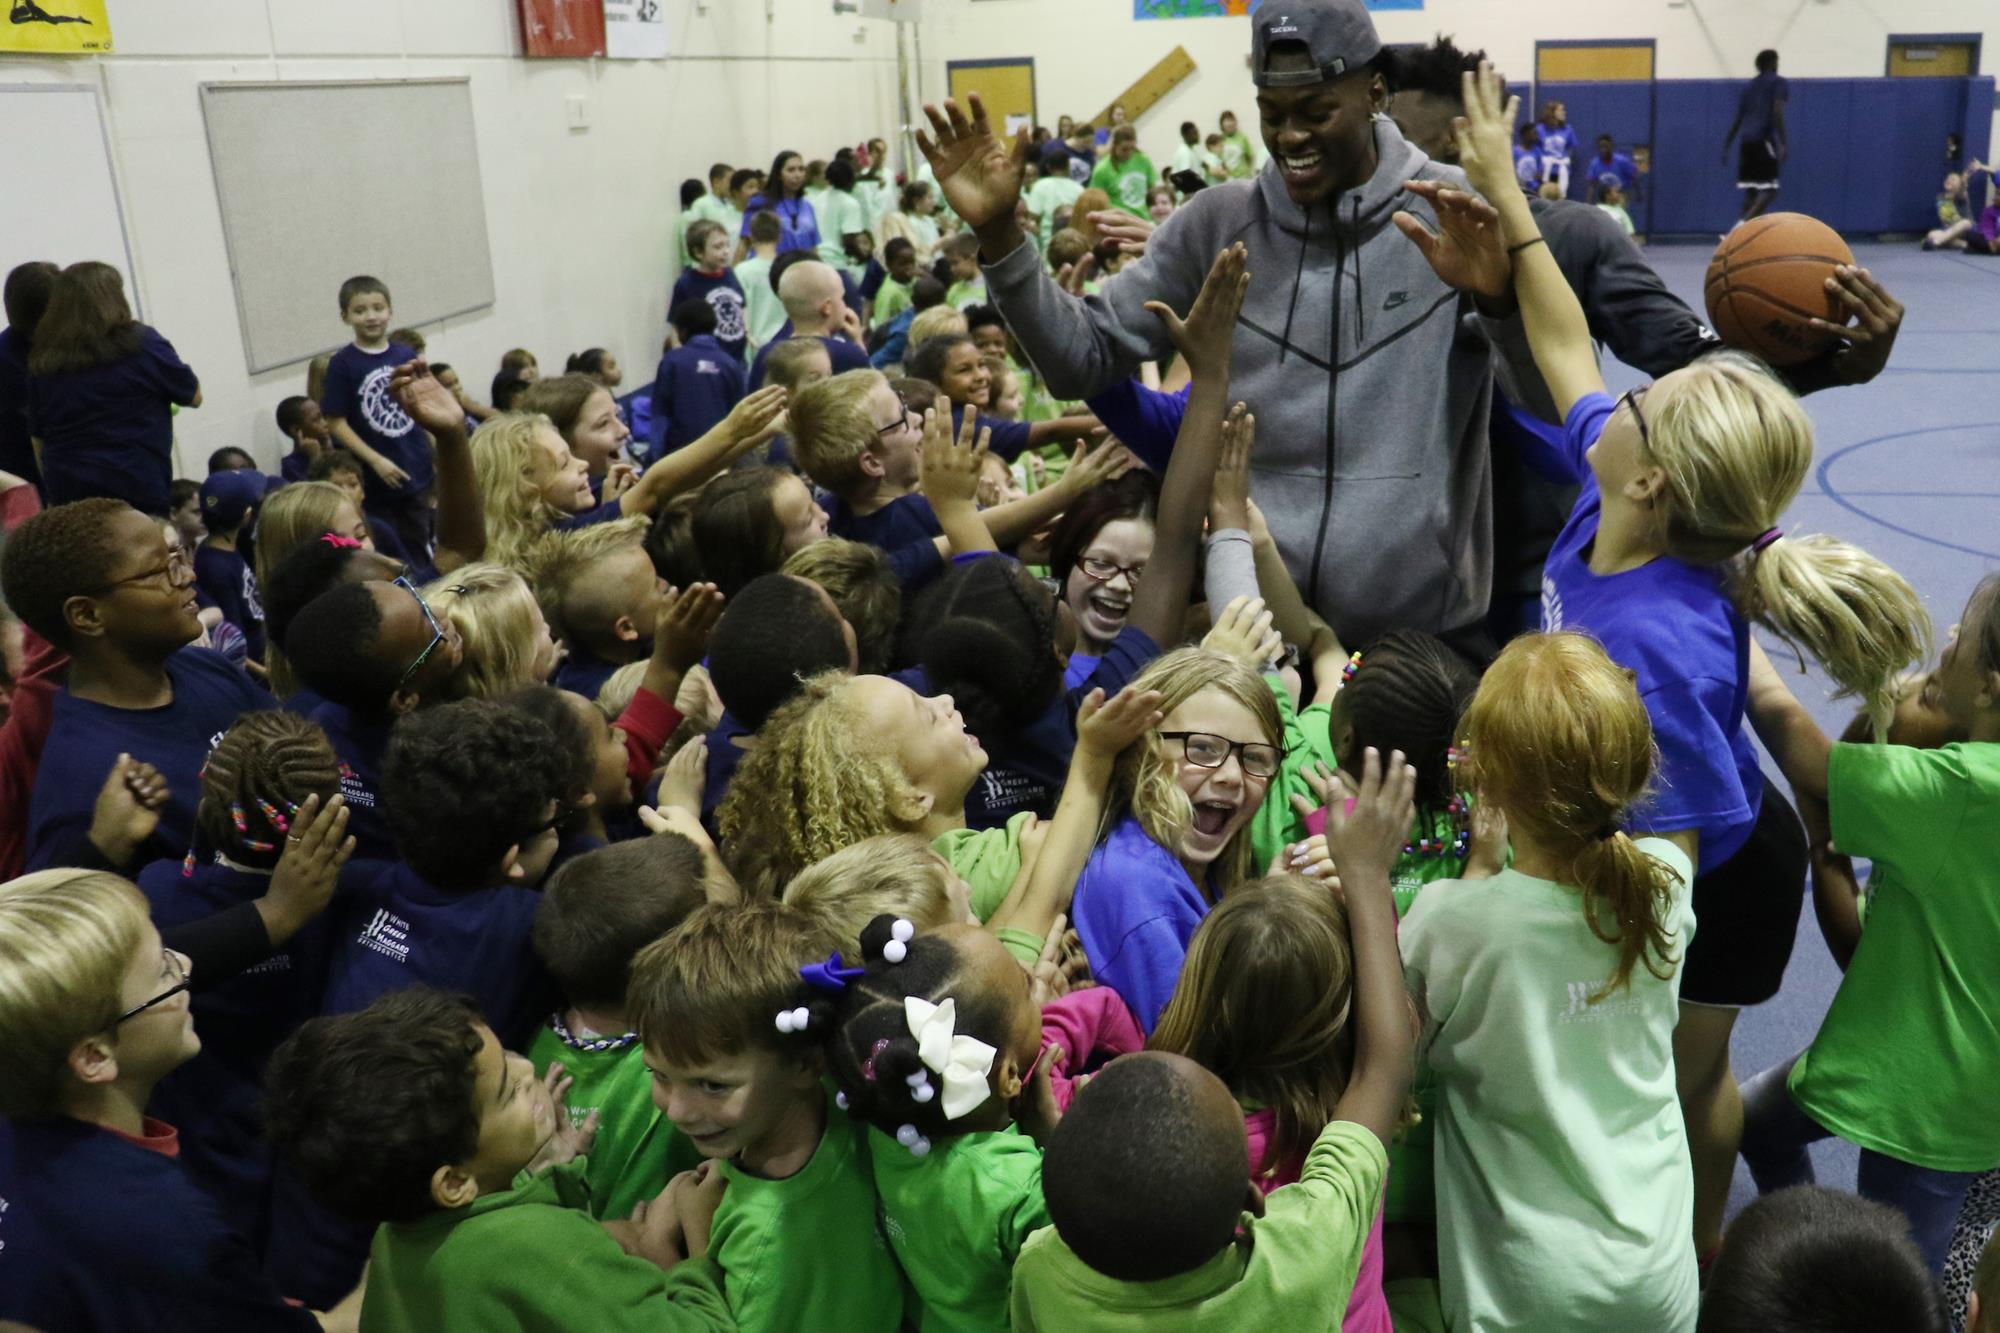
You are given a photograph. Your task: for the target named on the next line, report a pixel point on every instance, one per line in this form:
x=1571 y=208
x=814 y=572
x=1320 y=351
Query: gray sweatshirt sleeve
x=1082 y=347
x=1231 y=570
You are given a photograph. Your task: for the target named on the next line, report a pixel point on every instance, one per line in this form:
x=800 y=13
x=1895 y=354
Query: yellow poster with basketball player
x=55 y=27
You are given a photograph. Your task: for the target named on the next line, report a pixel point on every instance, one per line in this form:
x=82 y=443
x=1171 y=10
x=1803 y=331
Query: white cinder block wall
x=580 y=222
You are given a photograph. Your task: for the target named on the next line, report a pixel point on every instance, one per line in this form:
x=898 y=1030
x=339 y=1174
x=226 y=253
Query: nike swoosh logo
x=1396 y=299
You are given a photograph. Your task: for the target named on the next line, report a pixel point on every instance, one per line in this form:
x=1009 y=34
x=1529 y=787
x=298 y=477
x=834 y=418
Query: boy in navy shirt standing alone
x=229 y=502
x=698 y=382
x=710 y=280
x=369 y=422
x=95 y=578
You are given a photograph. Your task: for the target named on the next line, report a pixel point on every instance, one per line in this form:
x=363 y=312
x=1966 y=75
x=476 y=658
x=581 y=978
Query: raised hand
x=1366 y=842
x=1229 y=500
x=1486 y=132
x=979 y=172
x=680 y=636
x=951 y=467
x=1468 y=250
x=755 y=414
x=685 y=780
x=569 y=1140
x=1093 y=467
x=1046 y=979
x=621 y=478
x=1877 y=318
x=696 y=1195
x=1073 y=278
x=1104 y=729
x=1206 y=335
x=128 y=808
x=1131 y=234
x=316 y=846
x=1244 y=632
x=424 y=397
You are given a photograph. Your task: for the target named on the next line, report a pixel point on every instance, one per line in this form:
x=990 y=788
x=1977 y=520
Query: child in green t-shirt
x=1550 y=994
x=1156 y=1222
x=411 y=1114
x=1127 y=174
x=796 y=1235
x=597 y=912
x=1902 y=1060
x=936 y=1044
x=968 y=284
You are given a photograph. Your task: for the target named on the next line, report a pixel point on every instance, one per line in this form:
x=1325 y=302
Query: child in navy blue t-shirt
x=105 y=1230
x=229 y=503
x=710 y=279
x=261 y=793
x=369 y=422
x=96 y=579
x=305 y=429
x=698 y=382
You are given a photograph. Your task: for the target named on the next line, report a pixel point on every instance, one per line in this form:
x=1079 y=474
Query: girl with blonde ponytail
x=1672 y=552
x=1550 y=995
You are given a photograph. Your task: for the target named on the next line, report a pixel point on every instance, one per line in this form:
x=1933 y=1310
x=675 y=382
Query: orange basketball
x=1768 y=278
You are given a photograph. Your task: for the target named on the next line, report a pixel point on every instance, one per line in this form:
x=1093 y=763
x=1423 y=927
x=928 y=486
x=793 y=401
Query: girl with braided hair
x=271 y=828
x=937 y=1044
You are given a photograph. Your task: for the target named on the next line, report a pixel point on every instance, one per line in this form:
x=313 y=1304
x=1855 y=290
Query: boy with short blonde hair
x=601 y=598
x=796 y=1234
x=104 y=1228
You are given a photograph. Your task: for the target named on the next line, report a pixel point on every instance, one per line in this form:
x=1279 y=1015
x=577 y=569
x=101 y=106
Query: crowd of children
x=829 y=840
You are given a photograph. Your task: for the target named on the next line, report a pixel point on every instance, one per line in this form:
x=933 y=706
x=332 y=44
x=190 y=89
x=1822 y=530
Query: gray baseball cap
x=1338 y=34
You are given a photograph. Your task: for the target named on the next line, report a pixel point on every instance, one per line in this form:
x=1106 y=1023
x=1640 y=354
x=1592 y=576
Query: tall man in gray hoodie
x=1370 y=376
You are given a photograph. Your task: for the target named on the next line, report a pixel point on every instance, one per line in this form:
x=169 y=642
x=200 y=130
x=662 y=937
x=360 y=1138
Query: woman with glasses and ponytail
x=1673 y=551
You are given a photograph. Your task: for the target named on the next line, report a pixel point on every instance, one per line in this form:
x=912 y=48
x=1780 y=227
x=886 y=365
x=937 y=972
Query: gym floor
x=1908 y=468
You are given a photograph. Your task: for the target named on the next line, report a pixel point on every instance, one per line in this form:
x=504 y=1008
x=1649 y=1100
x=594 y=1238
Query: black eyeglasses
x=902 y=418
x=175 y=966
x=437 y=633
x=1099 y=570
x=178 y=562
x=1631 y=400
x=1205 y=751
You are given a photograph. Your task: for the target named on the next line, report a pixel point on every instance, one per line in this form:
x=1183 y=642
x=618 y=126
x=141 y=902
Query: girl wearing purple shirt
x=1667 y=559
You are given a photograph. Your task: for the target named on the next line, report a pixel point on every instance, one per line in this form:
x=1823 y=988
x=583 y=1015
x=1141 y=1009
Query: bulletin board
x=1007 y=87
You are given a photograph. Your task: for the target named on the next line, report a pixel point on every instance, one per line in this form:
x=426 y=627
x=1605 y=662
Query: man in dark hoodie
x=1370 y=377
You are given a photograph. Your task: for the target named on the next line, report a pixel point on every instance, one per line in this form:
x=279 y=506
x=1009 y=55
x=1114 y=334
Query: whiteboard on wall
x=58 y=193
x=319 y=182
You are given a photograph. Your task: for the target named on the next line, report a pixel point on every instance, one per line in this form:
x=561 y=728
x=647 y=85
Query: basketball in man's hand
x=1768 y=280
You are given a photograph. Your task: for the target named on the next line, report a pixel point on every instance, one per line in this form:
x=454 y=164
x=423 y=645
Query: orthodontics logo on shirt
x=387 y=934
x=1581 y=1010
x=729 y=322
x=383 y=413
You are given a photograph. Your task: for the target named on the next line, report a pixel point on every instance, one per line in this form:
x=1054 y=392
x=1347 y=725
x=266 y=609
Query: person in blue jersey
x=1764 y=142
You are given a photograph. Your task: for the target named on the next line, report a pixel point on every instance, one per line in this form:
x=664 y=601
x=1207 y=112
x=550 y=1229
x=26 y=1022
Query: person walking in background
x=1760 y=119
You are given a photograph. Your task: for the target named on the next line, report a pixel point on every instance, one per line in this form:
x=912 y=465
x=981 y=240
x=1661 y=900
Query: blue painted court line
x=1833 y=493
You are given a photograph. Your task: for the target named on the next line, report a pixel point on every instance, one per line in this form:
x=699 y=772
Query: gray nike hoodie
x=1370 y=378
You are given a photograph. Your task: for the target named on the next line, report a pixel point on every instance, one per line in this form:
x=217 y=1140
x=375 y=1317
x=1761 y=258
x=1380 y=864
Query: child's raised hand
x=424 y=397
x=569 y=1140
x=951 y=467
x=128 y=808
x=1229 y=499
x=1366 y=841
x=1074 y=278
x=1206 y=335
x=1046 y=979
x=697 y=701
x=979 y=172
x=1244 y=632
x=1486 y=132
x=680 y=636
x=621 y=478
x=1034 y=1107
x=696 y=1195
x=754 y=414
x=686 y=779
x=666 y=818
x=1486 y=850
x=316 y=847
x=1312 y=859
x=1093 y=467
x=1104 y=729
x=1468 y=250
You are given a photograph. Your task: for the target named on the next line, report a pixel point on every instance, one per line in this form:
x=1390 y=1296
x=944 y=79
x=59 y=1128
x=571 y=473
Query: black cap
x=1338 y=34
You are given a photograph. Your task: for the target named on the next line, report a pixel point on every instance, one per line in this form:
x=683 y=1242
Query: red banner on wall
x=562 y=27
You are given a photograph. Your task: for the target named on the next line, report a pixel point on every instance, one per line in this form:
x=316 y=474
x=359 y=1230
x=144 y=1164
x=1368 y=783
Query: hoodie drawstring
x=1298 y=275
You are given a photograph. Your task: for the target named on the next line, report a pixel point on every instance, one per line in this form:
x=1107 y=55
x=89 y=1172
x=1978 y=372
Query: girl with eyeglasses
x=1672 y=552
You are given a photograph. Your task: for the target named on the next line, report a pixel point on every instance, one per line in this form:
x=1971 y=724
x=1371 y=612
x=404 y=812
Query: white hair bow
x=961 y=1063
